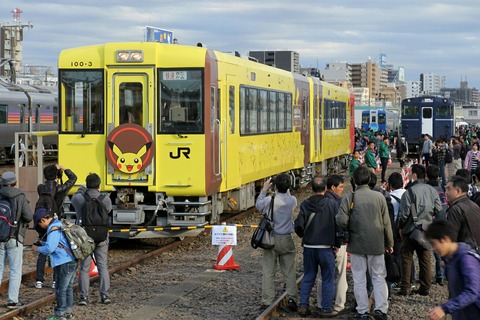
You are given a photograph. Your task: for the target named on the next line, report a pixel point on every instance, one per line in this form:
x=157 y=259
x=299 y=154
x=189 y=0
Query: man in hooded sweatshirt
x=13 y=248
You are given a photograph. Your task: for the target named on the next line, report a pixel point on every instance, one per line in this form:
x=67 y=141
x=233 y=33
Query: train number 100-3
x=81 y=64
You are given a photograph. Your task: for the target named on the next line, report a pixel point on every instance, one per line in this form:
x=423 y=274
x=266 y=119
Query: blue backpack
x=442 y=215
x=8 y=222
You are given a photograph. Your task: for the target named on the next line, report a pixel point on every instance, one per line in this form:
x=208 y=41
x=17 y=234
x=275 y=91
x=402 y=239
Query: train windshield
x=445 y=110
x=381 y=118
x=82 y=99
x=365 y=118
x=410 y=111
x=181 y=101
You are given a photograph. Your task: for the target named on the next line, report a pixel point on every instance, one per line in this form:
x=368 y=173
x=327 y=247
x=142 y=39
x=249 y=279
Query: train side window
x=263 y=106
x=281 y=112
x=289 y=112
x=3 y=114
x=272 y=108
x=55 y=114
x=252 y=110
x=231 y=108
x=243 y=111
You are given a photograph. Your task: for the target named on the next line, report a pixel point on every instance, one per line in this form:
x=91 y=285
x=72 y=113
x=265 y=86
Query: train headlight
x=129 y=56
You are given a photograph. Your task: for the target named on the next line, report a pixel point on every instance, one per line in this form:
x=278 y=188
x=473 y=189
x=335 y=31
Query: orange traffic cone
x=225 y=260
x=93 y=269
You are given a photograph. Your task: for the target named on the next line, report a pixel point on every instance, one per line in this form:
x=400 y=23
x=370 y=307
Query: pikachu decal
x=129 y=148
x=129 y=162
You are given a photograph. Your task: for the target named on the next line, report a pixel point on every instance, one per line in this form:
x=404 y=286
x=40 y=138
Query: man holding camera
x=53 y=175
x=53 y=187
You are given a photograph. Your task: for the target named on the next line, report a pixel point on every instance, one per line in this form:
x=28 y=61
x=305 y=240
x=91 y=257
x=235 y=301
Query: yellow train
x=180 y=134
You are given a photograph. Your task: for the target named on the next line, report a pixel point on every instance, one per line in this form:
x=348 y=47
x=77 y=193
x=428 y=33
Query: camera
x=37 y=243
x=342 y=237
x=59 y=174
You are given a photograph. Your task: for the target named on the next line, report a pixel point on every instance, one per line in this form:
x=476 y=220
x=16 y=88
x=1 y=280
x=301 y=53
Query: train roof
x=12 y=87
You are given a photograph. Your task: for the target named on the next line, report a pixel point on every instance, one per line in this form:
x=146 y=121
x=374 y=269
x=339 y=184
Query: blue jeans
x=441 y=166
x=312 y=258
x=439 y=270
x=13 y=251
x=64 y=276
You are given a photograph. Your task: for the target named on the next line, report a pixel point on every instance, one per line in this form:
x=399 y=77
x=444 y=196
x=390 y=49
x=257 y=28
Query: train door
x=228 y=145
x=427 y=120
x=131 y=114
x=215 y=130
x=317 y=124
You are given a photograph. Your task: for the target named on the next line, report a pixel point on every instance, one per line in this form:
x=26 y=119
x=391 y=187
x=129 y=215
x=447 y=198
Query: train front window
x=410 y=111
x=381 y=118
x=181 y=101
x=444 y=110
x=82 y=95
x=365 y=119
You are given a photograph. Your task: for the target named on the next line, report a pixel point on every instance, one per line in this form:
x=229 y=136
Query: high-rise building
x=286 y=60
x=431 y=84
x=412 y=88
x=367 y=75
x=337 y=72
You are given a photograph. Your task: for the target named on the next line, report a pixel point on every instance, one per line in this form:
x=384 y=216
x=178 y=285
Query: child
x=63 y=262
x=353 y=165
x=462 y=272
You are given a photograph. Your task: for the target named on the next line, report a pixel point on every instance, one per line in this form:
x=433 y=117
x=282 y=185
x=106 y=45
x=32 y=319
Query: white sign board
x=224 y=235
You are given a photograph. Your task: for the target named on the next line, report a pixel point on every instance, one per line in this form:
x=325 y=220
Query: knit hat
x=8 y=178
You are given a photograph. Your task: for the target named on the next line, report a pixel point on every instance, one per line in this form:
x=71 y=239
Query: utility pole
x=11 y=37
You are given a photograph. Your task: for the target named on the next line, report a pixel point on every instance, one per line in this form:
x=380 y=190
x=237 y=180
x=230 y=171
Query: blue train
x=427 y=115
x=380 y=120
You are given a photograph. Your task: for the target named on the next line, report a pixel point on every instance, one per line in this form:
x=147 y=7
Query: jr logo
x=181 y=150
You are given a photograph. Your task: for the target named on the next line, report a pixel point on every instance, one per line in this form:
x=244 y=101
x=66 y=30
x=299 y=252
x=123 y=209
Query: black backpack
x=46 y=199
x=95 y=218
x=8 y=223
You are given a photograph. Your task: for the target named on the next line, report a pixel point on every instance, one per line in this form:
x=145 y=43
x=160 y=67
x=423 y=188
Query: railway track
x=46 y=299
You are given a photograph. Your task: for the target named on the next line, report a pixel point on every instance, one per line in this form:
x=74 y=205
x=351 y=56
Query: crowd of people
x=435 y=217
x=15 y=217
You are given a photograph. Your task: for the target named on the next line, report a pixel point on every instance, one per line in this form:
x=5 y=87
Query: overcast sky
x=437 y=36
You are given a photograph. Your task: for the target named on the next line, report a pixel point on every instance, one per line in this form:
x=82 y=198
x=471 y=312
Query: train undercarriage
x=138 y=214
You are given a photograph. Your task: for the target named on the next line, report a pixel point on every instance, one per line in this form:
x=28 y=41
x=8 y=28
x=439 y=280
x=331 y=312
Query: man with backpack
x=63 y=261
x=92 y=210
x=15 y=216
x=51 y=196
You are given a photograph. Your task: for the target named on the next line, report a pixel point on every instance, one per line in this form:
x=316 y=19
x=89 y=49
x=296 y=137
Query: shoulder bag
x=342 y=236
x=262 y=236
x=417 y=235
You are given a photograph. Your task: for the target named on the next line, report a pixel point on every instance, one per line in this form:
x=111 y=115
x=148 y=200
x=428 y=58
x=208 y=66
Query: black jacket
x=321 y=230
x=460 y=209
x=62 y=189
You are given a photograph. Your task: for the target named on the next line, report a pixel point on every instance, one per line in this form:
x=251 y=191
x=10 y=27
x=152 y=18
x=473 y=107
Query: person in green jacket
x=384 y=156
x=370 y=160
x=353 y=165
